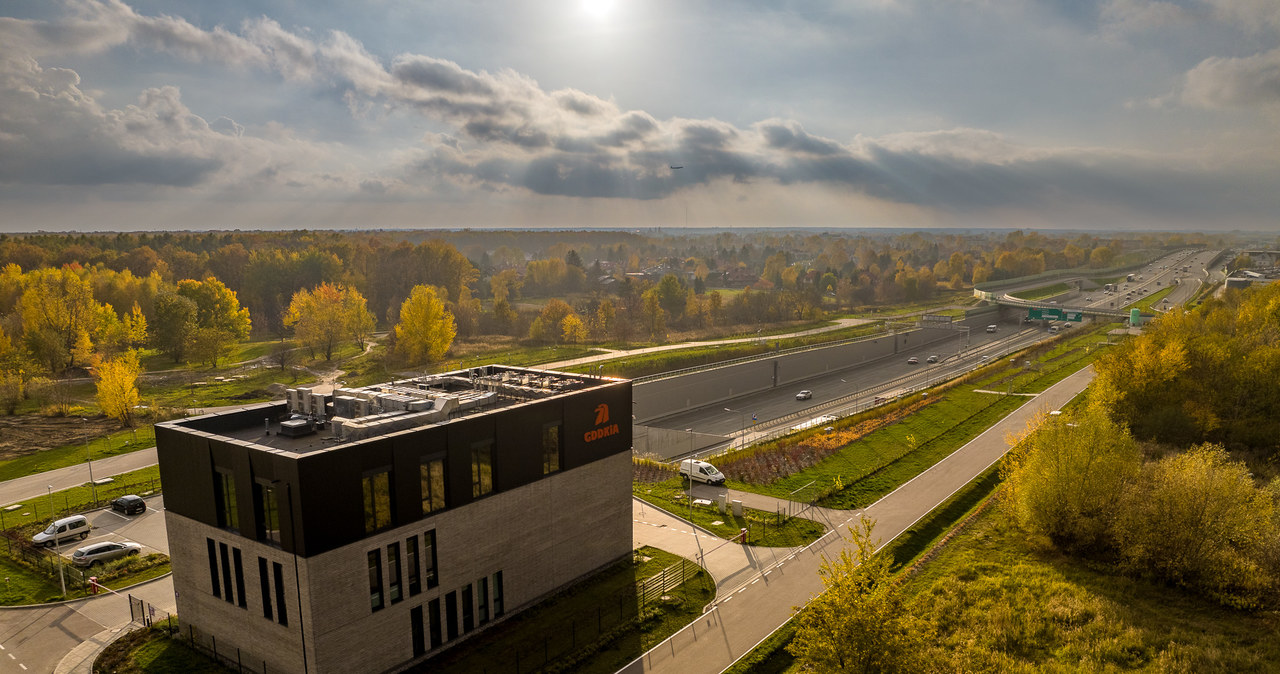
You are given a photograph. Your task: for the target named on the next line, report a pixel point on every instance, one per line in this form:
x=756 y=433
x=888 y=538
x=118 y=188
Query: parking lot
x=146 y=528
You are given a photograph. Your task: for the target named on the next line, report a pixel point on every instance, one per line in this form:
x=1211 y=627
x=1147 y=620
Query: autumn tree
x=117 y=382
x=175 y=325
x=220 y=320
x=59 y=315
x=548 y=325
x=573 y=329
x=862 y=621
x=426 y=329
x=317 y=318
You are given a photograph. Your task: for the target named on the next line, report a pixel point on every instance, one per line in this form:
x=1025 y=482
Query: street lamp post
x=61 y=578
x=743 y=437
x=93 y=486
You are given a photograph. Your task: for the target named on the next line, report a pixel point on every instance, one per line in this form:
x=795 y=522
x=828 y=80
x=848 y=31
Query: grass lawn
x=595 y=626
x=1001 y=602
x=1148 y=303
x=153 y=651
x=24 y=586
x=121 y=442
x=763 y=528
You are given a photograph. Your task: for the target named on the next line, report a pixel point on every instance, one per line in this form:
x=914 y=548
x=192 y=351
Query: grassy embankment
x=1034 y=294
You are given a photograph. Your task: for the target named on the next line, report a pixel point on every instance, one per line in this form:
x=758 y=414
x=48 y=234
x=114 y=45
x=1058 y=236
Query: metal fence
x=654 y=587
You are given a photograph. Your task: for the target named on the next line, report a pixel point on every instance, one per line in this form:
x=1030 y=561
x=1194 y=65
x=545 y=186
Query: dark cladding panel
x=329 y=508
x=597 y=424
x=519 y=442
x=407 y=452
x=186 y=473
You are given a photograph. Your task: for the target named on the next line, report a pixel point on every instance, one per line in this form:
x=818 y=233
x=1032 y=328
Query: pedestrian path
x=35 y=486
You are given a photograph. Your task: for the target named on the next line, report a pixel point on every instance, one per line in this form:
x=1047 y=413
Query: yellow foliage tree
x=118 y=386
x=426 y=329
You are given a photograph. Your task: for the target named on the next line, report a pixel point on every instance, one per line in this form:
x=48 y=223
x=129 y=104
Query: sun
x=597 y=9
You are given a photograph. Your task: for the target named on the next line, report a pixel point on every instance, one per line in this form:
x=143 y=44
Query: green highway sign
x=1074 y=315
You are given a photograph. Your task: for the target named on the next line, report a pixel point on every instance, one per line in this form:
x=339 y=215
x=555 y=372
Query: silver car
x=91 y=555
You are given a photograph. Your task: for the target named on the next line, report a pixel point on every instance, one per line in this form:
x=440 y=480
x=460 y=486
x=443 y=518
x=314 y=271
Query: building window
x=429 y=558
x=281 y=614
x=468 y=611
x=451 y=615
x=411 y=559
x=434 y=607
x=377 y=499
x=375 y=580
x=224 y=498
x=236 y=559
x=213 y=567
x=432 y=476
x=482 y=594
x=497 y=595
x=415 y=628
x=393 y=572
x=266 y=507
x=226 y=572
x=550 y=448
x=481 y=469
x=265 y=582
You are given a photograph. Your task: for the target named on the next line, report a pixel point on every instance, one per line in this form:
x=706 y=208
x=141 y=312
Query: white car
x=701 y=471
x=92 y=555
x=804 y=395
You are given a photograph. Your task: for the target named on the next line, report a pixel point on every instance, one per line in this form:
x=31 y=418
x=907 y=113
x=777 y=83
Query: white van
x=701 y=471
x=993 y=327
x=63 y=529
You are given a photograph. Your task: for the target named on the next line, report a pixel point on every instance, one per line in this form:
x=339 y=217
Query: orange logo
x=602 y=431
x=602 y=414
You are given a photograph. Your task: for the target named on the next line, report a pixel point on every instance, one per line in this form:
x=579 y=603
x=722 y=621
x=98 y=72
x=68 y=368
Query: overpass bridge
x=1011 y=301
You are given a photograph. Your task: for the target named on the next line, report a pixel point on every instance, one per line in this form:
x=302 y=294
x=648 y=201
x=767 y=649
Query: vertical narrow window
x=411 y=560
x=432 y=476
x=375 y=579
x=482 y=599
x=377 y=499
x=266 y=506
x=451 y=615
x=429 y=558
x=239 y=564
x=393 y=572
x=550 y=448
x=434 y=607
x=226 y=572
x=415 y=629
x=481 y=469
x=224 y=497
x=282 y=616
x=468 y=609
x=213 y=567
x=497 y=595
x=264 y=581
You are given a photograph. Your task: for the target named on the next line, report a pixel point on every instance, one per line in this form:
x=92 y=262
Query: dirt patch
x=28 y=434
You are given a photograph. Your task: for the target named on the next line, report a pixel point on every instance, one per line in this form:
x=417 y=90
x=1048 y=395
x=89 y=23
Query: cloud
x=1234 y=82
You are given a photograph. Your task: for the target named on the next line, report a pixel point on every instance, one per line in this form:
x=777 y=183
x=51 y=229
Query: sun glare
x=597 y=9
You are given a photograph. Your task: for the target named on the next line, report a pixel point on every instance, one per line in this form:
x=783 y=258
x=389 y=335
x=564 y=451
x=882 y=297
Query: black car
x=129 y=505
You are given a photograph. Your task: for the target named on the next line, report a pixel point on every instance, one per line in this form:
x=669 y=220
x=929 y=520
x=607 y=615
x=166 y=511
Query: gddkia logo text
x=603 y=428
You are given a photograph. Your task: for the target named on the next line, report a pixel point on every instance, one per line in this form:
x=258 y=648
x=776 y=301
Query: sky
x=284 y=114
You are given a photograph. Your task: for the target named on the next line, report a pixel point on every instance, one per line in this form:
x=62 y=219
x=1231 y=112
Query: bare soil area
x=28 y=434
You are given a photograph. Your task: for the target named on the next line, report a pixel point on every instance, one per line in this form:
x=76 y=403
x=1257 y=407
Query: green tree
x=426 y=329
x=1065 y=476
x=117 y=384
x=1198 y=520
x=175 y=325
x=861 y=622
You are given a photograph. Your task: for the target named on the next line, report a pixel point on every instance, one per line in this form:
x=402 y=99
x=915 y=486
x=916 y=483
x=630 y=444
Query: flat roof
x=319 y=418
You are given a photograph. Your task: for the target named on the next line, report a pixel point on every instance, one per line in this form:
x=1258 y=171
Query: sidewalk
x=36 y=486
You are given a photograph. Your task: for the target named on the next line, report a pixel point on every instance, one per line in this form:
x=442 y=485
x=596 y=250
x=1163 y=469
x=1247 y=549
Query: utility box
x=737 y=508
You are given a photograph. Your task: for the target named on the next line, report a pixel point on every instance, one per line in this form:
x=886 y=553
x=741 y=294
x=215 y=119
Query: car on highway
x=97 y=553
x=804 y=395
x=985 y=359
x=129 y=505
x=913 y=361
x=931 y=359
x=701 y=471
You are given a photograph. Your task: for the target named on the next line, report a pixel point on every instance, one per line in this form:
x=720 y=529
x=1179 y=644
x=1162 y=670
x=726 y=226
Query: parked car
x=701 y=471
x=804 y=395
x=63 y=529
x=913 y=361
x=129 y=505
x=92 y=555
x=931 y=359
